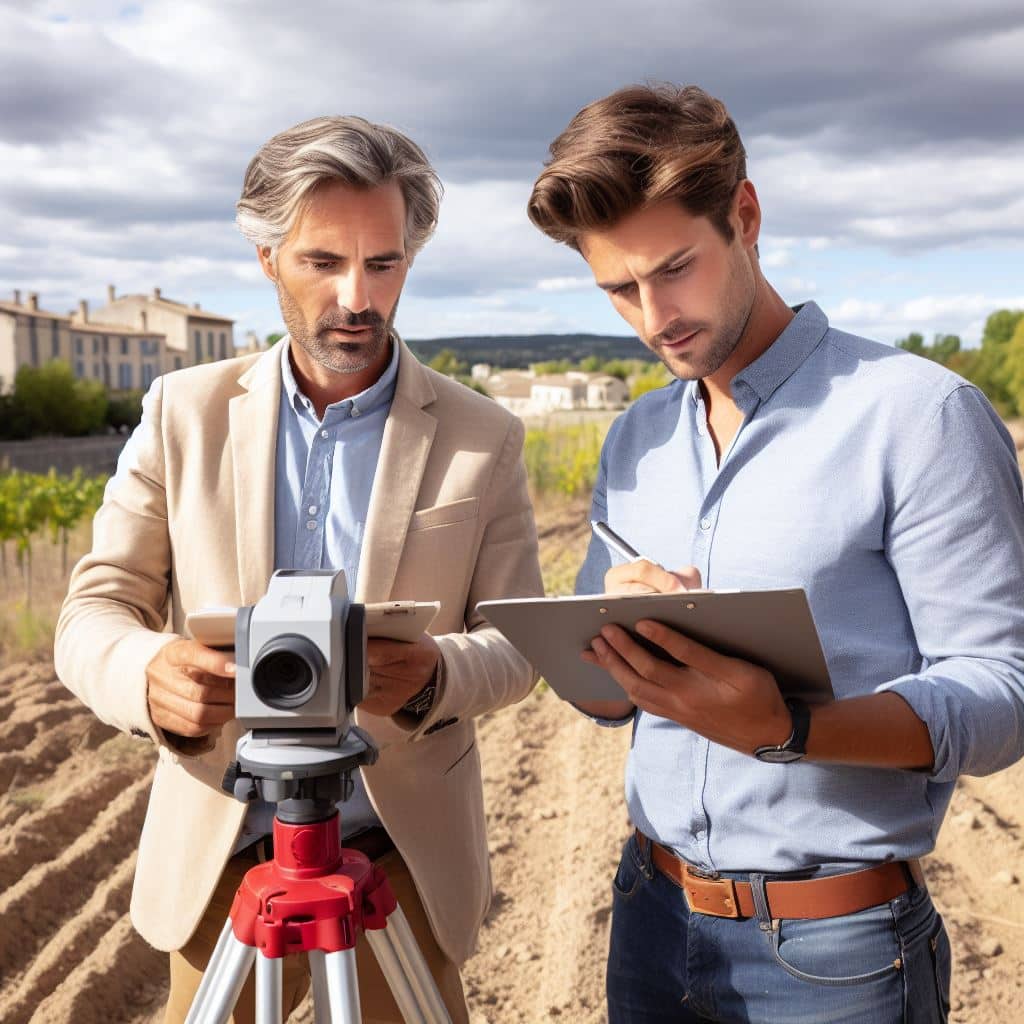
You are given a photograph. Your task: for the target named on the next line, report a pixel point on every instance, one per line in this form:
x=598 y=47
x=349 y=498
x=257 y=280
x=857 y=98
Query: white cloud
x=962 y=314
x=565 y=284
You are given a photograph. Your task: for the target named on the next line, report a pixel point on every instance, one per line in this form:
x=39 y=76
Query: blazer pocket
x=445 y=515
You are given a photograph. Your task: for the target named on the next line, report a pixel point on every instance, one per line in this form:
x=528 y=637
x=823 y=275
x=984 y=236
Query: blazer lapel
x=253 y=425
x=408 y=435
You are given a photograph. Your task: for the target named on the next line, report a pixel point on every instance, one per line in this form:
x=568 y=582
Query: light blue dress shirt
x=889 y=490
x=323 y=478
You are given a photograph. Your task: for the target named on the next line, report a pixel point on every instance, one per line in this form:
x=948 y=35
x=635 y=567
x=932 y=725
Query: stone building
x=193 y=335
x=124 y=345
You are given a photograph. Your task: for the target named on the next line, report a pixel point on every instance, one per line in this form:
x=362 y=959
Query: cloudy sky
x=886 y=142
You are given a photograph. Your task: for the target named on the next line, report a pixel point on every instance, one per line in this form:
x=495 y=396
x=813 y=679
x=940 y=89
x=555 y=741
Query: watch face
x=773 y=755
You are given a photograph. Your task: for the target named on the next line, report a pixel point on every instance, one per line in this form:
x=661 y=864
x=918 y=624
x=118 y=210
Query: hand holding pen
x=642 y=575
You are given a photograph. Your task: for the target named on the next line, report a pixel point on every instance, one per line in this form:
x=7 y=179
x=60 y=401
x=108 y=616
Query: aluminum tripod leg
x=335 y=987
x=222 y=981
x=406 y=971
x=268 y=990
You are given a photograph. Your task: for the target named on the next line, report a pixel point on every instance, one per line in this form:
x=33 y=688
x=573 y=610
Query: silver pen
x=617 y=543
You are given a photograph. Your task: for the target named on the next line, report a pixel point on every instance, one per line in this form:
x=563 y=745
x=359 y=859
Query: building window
x=106 y=373
x=95 y=371
x=223 y=345
x=209 y=344
x=95 y=349
x=177 y=362
x=78 y=346
x=124 y=346
x=79 y=367
x=124 y=376
x=198 y=339
x=55 y=342
x=147 y=375
x=106 y=345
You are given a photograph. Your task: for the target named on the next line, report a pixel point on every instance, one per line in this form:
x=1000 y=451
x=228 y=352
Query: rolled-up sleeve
x=955 y=538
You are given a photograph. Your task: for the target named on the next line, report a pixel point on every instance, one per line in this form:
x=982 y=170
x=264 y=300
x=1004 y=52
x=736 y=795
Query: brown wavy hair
x=638 y=146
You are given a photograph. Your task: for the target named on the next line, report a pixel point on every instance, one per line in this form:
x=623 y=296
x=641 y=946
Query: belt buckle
x=715 y=897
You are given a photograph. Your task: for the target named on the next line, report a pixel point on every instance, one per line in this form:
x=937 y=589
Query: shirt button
x=705 y=523
x=312 y=510
x=311 y=525
x=355 y=411
x=323 y=434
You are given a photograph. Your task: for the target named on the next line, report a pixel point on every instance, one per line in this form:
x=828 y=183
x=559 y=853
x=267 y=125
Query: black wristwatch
x=420 y=703
x=795 y=748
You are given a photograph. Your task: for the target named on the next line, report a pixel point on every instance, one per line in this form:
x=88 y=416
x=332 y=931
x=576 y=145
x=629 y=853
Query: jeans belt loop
x=760 y=897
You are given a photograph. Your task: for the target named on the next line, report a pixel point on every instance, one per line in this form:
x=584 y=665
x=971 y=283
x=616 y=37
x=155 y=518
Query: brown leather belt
x=373 y=842
x=831 y=896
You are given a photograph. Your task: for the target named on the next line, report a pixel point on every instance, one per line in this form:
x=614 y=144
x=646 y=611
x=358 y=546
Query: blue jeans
x=883 y=965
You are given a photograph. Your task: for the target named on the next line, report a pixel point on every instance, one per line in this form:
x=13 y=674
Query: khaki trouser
x=376 y=1003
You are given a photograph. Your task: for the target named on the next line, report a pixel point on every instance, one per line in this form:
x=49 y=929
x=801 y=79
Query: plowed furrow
x=49 y=893
x=27 y=722
x=41 y=835
x=39 y=758
x=122 y=979
x=70 y=945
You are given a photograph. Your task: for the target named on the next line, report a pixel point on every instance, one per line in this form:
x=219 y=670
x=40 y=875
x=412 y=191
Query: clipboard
x=771 y=628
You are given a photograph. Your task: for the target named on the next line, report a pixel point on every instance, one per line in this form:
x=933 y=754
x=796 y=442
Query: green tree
x=913 y=342
x=551 y=367
x=653 y=377
x=989 y=369
x=590 y=364
x=621 y=368
x=1014 y=368
x=447 y=362
x=124 y=409
x=944 y=347
x=273 y=339
x=55 y=403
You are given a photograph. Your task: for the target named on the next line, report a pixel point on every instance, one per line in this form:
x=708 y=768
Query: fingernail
x=230 y=667
x=644 y=628
x=599 y=646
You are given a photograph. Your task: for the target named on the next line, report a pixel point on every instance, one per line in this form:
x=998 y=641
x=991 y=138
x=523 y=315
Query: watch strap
x=795 y=746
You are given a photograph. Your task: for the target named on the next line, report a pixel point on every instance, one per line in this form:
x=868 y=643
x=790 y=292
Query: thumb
x=689 y=576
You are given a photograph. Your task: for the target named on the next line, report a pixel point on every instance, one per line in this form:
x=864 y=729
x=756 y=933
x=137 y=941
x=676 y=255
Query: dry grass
x=28 y=617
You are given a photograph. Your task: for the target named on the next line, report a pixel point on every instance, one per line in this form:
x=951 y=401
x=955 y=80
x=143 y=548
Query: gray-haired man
x=336 y=449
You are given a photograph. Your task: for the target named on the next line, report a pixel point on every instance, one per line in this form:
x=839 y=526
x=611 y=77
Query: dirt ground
x=73 y=794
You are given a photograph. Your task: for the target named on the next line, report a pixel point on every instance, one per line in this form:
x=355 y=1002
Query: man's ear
x=747 y=213
x=267 y=262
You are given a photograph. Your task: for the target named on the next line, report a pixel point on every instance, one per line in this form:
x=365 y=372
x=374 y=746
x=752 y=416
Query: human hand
x=190 y=688
x=398 y=671
x=727 y=700
x=645 y=577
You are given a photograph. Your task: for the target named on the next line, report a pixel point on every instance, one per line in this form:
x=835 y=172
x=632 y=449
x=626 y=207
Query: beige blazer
x=188 y=521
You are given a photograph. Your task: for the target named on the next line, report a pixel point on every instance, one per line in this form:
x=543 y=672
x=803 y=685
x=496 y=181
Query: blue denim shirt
x=324 y=474
x=888 y=489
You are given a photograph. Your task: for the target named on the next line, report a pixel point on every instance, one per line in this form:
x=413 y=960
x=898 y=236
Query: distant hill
x=511 y=350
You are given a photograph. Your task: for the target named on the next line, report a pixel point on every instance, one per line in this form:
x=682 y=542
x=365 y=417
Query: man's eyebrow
x=610 y=286
x=324 y=256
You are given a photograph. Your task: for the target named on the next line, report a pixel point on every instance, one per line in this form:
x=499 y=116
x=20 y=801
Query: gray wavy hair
x=284 y=172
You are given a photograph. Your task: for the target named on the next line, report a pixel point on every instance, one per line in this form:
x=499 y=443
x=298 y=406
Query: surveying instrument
x=300 y=654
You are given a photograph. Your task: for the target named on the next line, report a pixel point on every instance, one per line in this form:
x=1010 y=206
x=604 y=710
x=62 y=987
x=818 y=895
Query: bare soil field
x=73 y=794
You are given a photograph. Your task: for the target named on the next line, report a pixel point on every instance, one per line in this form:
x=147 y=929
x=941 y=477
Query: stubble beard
x=716 y=344
x=337 y=356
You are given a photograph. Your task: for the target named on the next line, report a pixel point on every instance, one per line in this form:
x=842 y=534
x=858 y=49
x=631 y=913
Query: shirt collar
x=380 y=392
x=786 y=354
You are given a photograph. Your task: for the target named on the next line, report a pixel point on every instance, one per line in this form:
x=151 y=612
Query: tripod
x=313 y=897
